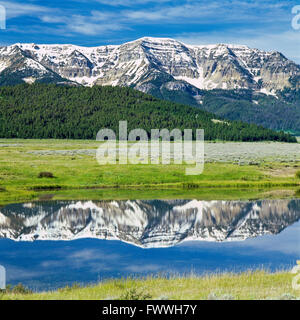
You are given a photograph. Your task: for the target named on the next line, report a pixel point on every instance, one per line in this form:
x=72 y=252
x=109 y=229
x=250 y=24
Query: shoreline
x=205 y=193
x=256 y=285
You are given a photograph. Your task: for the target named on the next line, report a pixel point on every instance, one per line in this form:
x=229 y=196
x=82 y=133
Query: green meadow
x=78 y=175
x=244 y=286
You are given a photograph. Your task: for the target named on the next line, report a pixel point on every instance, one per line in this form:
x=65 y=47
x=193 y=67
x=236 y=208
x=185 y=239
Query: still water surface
x=50 y=244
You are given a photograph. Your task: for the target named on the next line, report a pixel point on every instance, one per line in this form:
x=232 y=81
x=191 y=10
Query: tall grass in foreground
x=243 y=286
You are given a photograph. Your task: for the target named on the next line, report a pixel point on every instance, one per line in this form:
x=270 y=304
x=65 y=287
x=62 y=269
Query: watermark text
x=296 y=18
x=163 y=147
x=2 y=17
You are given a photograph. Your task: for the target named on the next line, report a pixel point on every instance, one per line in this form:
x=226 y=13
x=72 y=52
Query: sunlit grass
x=20 y=170
x=245 y=286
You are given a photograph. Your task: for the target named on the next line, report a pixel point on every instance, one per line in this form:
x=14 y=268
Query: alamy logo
x=2 y=278
x=2 y=17
x=296 y=18
x=164 y=147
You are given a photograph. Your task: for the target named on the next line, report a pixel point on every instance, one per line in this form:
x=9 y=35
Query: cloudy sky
x=264 y=24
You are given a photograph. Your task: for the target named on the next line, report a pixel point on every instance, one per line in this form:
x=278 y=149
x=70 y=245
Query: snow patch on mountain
x=147 y=224
x=136 y=63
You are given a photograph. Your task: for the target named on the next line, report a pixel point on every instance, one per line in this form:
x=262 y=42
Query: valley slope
x=66 y=112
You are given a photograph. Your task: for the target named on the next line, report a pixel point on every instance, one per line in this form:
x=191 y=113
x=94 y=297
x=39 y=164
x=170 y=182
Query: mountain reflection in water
x=147 y=223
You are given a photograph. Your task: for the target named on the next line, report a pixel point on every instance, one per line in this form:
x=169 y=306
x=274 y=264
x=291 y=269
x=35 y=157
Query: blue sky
x=261 y=24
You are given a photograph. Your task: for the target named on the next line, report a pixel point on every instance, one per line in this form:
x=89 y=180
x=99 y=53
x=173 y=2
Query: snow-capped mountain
x=148 y=224
x=16 y=66
x=149 y=64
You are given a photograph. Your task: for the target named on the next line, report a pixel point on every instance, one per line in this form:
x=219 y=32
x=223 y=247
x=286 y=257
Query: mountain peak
x=141 y=62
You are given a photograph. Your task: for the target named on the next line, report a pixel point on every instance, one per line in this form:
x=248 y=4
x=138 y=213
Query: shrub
x=163 y=297
x=134 y=294
x=213 y=296
x=287 y=296
x=45 y=174
x=18 y=289
x=298 y=174
x=68 y=288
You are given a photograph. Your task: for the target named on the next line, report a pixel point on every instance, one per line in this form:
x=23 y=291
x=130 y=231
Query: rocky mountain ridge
x=147 y=224
x=152 y=63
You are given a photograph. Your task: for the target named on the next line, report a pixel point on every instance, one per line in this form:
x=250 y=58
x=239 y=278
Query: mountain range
x=234 y=81
x=147 y=223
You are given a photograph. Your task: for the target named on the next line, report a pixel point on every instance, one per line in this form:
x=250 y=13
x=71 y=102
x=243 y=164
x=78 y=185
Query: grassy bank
x=21 y=162
x=249 y=286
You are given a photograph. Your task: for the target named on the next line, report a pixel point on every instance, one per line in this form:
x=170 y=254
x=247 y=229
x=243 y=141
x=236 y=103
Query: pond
x=50 y=244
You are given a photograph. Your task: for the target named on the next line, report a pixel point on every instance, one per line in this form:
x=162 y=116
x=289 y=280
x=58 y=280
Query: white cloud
x=97 y=23
x=188 y=12
x=144 y=268
x=129 y=3
x=92 y=254
x=16 y=9
x=210 y=12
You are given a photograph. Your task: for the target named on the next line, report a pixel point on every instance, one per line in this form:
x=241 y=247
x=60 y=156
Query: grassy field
x=21 y=161
x=245 y=286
